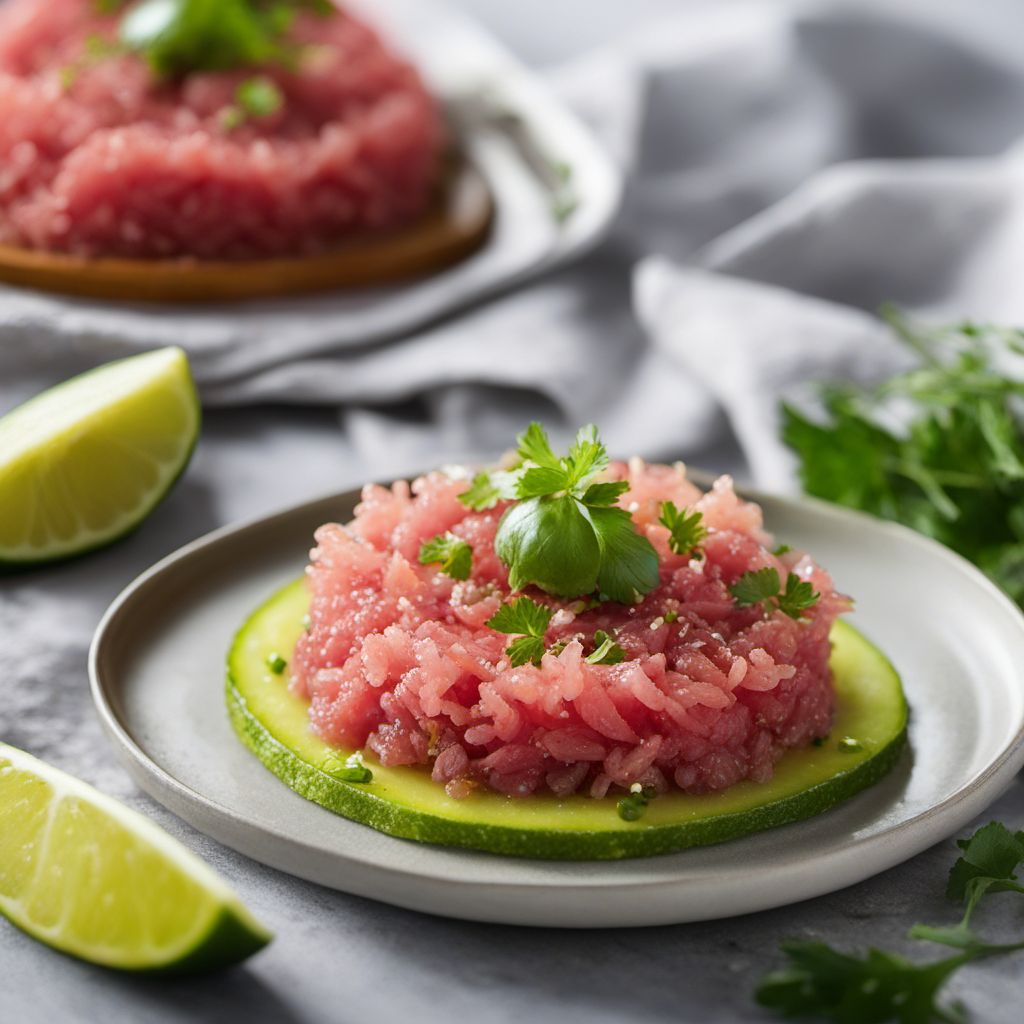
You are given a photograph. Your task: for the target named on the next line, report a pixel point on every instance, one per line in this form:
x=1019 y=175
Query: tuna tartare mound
x=694 y=686
x=100 y=155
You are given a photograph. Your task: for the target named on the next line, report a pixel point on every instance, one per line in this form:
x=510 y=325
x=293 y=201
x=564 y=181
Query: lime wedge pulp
x=90 y=877
x=85 y=462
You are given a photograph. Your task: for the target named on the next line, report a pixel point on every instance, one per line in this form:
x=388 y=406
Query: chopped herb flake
x=259 y=97
x=606 y=650
x=276 y=663
x=351 y=769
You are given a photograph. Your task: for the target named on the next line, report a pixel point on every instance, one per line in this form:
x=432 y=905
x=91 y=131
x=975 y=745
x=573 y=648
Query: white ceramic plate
x=486 y=90
x=157 y=670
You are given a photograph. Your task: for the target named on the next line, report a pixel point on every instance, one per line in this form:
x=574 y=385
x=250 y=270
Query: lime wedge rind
x=95 y=881
x=84 y=463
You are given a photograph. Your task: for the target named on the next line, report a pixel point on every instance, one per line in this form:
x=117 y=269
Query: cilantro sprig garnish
x=526 y=620
x=822 y=982
x=453 y=554
x=939 y=448
x=488 y=488
x=178 y=37
x=763 y=587
x=565 y=534
x=686 y=530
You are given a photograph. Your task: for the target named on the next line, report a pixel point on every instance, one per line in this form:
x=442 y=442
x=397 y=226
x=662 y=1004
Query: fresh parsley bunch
x=954 y=470
x=565 y=534
x=822 y=982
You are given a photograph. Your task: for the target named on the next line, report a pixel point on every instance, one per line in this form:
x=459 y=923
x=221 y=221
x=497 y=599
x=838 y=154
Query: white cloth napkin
x=790 y=167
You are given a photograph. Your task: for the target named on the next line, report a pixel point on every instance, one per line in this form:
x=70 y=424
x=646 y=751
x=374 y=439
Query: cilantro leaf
x=756 y=587
x=604 y=494
x=530 y=621
x=551 y=543
x=606 y=650
x=525 y=649
x=879 y=987
x=763 y=587
x=453 y=553
x=487 y=489
x=534 y=446
x=990 y=861
x=992 y=852
x=686 y=531
x=587 y=456
x=798 y=596
x=628 y=567
x=521 y=616
x=539 y=481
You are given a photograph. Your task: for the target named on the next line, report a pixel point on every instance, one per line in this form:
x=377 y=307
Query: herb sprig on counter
x=177 y=37
x=939 y=448
x=822 y=982
x=565 y=534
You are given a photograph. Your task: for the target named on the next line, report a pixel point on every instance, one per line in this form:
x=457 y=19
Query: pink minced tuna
x=98 y=158
x=398 y=658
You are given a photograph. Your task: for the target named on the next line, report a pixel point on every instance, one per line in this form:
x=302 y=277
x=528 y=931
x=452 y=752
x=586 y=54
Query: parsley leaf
x=487 y=489
x=534 y=446
x=453 y=553
x=939 y=448
x=525 y=617
x=798 y=596
x=881 y=986
x=604 y=495
x=756 y=587
x=990 y=861
x=629 y=563
x=566 y=535
x=606 y=650
x=762 y=586
x=686 y=531
x=551 y=543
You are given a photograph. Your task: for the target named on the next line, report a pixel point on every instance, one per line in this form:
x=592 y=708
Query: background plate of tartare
x=157 y=671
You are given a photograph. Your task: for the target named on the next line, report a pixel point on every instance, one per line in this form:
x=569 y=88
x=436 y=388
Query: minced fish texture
x=398 y=657
x=98 y=157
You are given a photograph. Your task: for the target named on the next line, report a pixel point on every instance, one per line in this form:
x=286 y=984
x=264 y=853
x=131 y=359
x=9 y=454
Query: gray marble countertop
x=338 y=957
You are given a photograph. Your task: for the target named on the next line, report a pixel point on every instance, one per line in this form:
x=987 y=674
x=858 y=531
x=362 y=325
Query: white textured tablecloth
x=789 y=170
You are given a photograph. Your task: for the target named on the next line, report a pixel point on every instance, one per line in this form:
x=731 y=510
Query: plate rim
x=928 y=825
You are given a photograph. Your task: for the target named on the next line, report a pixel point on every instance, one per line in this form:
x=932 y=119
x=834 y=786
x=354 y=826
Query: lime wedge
x=86 y=875
x=85 y=462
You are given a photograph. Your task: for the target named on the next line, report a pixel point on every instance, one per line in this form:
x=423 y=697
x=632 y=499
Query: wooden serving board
x=456 y=225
